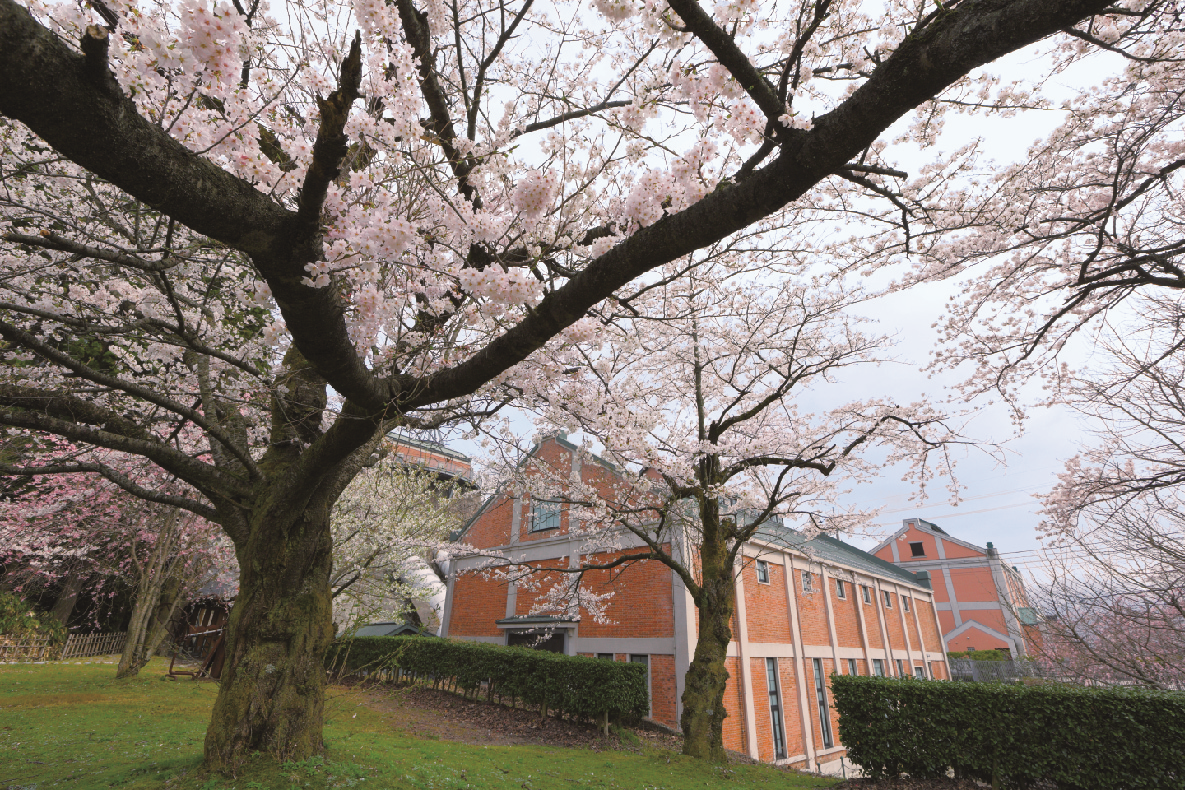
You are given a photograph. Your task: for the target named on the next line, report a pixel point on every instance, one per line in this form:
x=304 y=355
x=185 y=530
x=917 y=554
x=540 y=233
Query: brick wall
x=792 y=713
x=871 y=614
x=929 y=628
x=765 y=606
x=663 y=690
x=893 y=620
x=914 y=622
x=526 y=597
x=492 y=527
x=477 y=603
x=734 y=724
x=763 y=723
x=811 y=610
x=847 y=624
x=641 y=606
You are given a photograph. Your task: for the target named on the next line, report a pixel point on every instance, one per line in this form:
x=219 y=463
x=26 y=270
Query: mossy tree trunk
x=703 y=714
x=272 y=689
x=271 y=697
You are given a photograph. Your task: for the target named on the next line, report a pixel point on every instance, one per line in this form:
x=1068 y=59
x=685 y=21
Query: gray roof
x=827 y=549
x=390 y=629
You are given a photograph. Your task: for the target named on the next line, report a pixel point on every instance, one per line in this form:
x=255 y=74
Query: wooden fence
x=84 y=645
x=28 y=649
x=77 y=646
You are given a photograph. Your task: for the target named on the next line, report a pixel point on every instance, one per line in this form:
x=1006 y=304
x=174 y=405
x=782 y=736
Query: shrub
x=584 y=687
x=1020 y=736
x=982 y=655
x=20 y=621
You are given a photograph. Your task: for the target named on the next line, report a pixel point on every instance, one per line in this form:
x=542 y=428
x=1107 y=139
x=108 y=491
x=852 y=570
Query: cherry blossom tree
x=1114 y=603
x=698 y=389
x=213 y=213
x=388 y=526
x=79 y=532
x=1114 y=534
x=1060 y=242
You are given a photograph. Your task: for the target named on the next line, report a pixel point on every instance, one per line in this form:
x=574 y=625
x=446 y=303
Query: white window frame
x=878 y=667
x=853 y=667
x=808 y=582
x=538 y=516
x=904 y=603
x=888 y=599
x=866 y=594
x=840 y=592
x=762 y=569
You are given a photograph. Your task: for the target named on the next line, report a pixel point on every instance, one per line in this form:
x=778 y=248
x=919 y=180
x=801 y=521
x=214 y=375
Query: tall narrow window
x=878 y=667
x=900 y=669
x=888 y=600
x=821 y=696
x=841 y=591
x=775 y=708
x=762 y=572
x=544 y=515
x=919 y=672
x=808 y=582
x=866 y=593
x=904 y=603
x=853 y=668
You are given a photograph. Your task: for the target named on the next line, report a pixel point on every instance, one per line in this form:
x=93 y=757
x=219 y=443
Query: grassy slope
x=74 y=726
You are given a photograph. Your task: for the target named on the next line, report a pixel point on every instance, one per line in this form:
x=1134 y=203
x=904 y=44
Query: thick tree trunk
x=703 y=694
x=271 y=697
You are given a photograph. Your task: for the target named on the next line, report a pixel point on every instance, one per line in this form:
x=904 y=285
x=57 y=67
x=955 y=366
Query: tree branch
x=69 y=417
x=730 y=56
x=119 y=479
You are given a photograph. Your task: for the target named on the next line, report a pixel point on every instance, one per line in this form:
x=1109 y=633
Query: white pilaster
x=743 y=663
x=800 y=673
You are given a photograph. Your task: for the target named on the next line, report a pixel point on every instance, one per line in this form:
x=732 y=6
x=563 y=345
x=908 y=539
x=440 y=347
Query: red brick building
x=981 y=602
x=805 y=609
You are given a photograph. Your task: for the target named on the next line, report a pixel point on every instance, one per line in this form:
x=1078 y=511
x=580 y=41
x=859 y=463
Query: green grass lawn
x=71 y=726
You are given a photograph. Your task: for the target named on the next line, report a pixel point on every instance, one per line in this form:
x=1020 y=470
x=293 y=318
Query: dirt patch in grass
x=430 y=713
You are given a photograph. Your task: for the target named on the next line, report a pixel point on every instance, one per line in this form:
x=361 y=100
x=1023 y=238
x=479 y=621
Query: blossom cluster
x=501 y=286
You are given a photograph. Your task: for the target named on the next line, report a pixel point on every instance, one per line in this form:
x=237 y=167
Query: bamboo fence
x=85 y=645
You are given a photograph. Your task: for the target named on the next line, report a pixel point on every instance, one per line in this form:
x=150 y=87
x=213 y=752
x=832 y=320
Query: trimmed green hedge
x=584 y=687
x=982 y=655
x=1072 y=737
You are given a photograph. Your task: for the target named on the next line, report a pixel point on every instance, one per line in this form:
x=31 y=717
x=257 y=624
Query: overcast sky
x=998 y=501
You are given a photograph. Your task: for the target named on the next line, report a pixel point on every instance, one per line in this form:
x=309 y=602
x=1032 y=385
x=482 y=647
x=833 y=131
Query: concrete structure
x=433 y=456
x=982 y=604
x=805 y=609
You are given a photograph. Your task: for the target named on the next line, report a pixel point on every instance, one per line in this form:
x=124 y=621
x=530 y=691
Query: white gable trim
x=921 y=528
x=987 y=629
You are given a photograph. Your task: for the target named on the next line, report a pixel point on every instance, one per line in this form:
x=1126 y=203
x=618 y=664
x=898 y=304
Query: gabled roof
x=559 y=438
x=828 y=549
x=925 y=526
x=391 y=628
